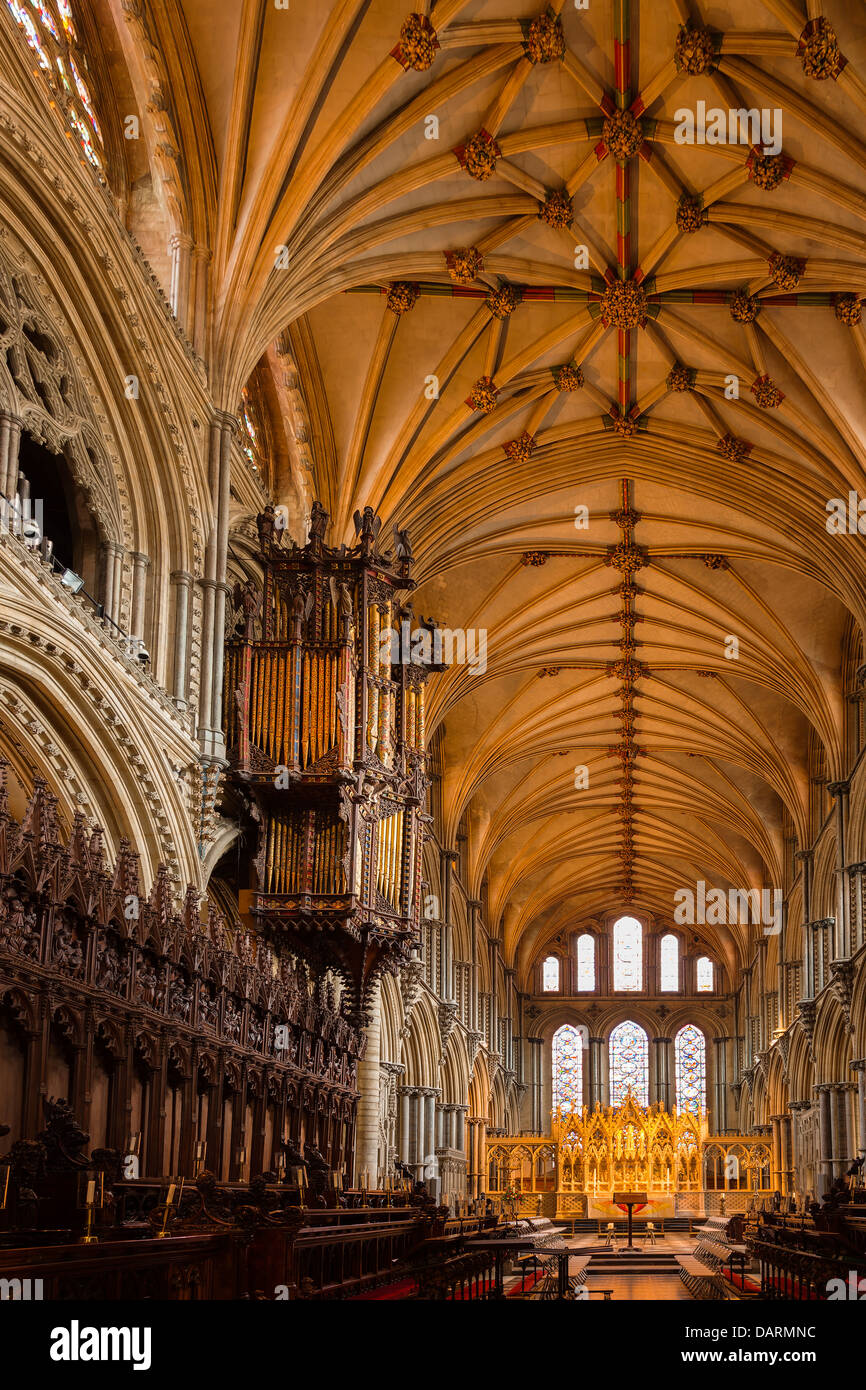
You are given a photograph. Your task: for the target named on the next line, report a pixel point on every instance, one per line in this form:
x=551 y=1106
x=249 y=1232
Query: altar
x=657 y=1207
x=592 y=1154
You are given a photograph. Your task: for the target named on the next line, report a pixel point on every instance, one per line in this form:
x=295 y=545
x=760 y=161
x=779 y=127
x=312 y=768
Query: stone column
x=180 y=245
x=460 y=1112
x=416 y=1103
x=855 y=899
x=214 y=587
x=183 y=588
x=430 y=1098
x=403 y=1143
x=493 y=968
x=140 y=566
x=798 y=1176
x=837 y=1130
x=470 y=1156
x=597 y=1073
x=446 y=961
x=201 y=258
x=849 y=1090
x=662 y=1073
x=804 y=857
x=842 y=936
x=10 y=439
x=721 y=1087
x=825 y=1140
x=536 y=1046
x=860 y=1068
x=367 y=1123
x=776 y=1172
x=113 y=582
x=473 y=906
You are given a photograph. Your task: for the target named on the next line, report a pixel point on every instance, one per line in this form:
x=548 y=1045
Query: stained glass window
x=690 y=1051
x=31 y=33
x=47 y=18
x=54 y=41
x=669 y=962
x=567 y=1068
x=65 y=11
x=84 y=97
x=627 y=954
x=251 y=446
x=550 y=974
x=705 y=974
x=586 y=961
x=629 y=1064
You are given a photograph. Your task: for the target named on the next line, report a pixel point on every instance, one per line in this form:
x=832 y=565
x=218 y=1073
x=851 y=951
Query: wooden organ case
x=324 y=719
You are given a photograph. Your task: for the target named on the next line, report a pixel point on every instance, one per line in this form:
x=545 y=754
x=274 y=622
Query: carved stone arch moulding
x=44 y=383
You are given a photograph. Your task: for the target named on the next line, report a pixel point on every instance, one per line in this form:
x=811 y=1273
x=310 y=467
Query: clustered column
x=446 y=962
x=782 y=1178
x=417 y=1126
x=477 y=1144
x=797 y=1156
x=662 y=1072
x=842 y=1125
x=842 y=936
x=825 y=1140
x=183 y=588
x=536 y=1046
x=10 y=439
x=113 y=583
x=367 y=1123
x=860 y=1068
x=721 y=1069
x=215 y=588
x=597 y=1072
x=140 y=566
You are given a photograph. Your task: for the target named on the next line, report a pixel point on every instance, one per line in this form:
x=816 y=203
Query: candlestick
x=89 y=1238
x=173 y=1196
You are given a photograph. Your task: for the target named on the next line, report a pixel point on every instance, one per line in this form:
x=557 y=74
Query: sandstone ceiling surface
x=493 y=196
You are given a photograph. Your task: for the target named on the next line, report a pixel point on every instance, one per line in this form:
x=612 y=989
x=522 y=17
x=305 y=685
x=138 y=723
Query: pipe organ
x=324 y=719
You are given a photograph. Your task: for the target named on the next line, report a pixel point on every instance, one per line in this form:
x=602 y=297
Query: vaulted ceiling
x=642 y=533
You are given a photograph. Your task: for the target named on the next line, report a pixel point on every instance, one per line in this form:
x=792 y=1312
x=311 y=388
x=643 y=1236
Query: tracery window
x=567 y=1068
x=690 y=1052
x=627 y=954
x=550 y=975
x=250 y=445
x=629 y=1064
x=669 y=962
x=586 y=961
x=52 y=37
x=704 y=974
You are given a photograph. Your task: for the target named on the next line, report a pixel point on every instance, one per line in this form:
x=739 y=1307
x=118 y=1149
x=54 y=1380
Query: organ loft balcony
x=324 y=719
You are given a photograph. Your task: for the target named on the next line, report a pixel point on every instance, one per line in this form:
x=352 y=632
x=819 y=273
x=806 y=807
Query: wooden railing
x=183 y=1268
